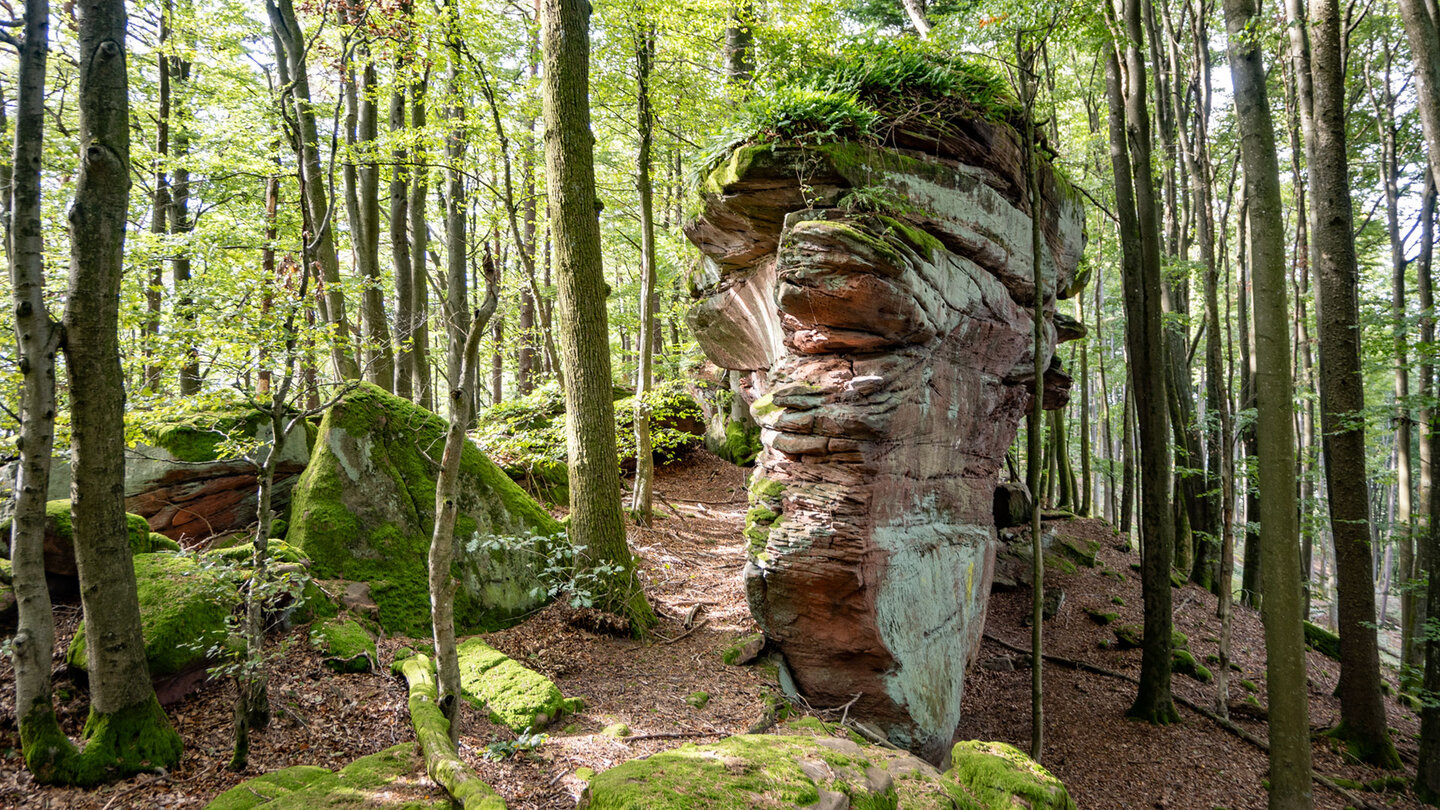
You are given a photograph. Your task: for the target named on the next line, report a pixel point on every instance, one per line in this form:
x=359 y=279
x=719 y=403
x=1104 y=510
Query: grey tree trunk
x=1140 y=242
x=740 y=43
x=316 y=195
x=362 y=208
x=400 y=246
x=457 y=307
x=640 y=504
x=1342 y=398
x=1290 y=785
x=45 y=746
x=178 y=219
x=126 y=725
x=159 y=208
x=419 y=243
x=597 y=528
x=1028 y=93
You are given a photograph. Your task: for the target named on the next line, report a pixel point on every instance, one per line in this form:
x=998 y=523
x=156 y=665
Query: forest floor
x=693 y=556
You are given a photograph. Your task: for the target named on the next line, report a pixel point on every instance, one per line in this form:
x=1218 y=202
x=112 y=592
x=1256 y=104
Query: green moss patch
x=183 y=607
x=243 y=553
x=516 y=697
x=346 y=644
x=60 y=537
x=364 y=510
x=1182 y=662
x=1001 y=776
x=1322 y=641
x=392 y=778
x=1083 y=552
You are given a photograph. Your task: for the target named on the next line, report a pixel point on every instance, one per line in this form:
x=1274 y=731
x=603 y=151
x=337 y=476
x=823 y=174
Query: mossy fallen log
x=442 y=761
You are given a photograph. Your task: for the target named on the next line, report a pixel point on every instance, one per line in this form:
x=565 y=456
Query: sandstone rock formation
x=878 y=298
x=364 y=509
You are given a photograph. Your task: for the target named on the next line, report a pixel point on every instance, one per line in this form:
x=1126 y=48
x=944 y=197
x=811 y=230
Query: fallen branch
x=432 y=729
x=664 y=640
x=674 y=735
x=1193 y=706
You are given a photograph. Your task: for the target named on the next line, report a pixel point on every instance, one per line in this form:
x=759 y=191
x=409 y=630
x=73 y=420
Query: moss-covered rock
x=391 y=778
x=744 y=650
x=1001 y=776
x=7 y=597
x=1083 y=552
x=806 y=769
x=183 y=606
x=1131 y=637
x=277 y=550
x=516 y=697
x=1322 y=641
x=364 y=510
x=60 y=538
x=1182 y=662
x=346 y=644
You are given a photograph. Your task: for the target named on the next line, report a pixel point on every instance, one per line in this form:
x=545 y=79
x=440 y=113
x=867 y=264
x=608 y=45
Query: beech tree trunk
x=1140 y=243
x=126 y=724
x=400 y=241
x=44 y=745
x=1290 y=780
x=317 y=196
x=419 y=244
x=362 y=204
x=597 y=528
x=640 y=504
x=1342 y=397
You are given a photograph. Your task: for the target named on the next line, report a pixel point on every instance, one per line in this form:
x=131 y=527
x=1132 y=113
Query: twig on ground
x=675 y=735
x=664 y=640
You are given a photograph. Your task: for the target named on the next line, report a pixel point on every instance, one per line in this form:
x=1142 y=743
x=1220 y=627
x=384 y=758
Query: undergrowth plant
x=560 y=576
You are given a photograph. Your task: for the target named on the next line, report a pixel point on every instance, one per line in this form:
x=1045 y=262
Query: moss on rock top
x=364 y=510
x=391 y=778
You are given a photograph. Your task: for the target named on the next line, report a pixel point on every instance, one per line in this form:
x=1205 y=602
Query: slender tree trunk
x=597 y=528
x=400 y=239
x=159 y=208
x=362 y=202
x=126 y=725
x=915 y=10
x=1342 y=399
x=740 y=43
x=419 y=244
x=1140 y=243
x=457 y=312
x=1427 y=780
x=317 y=197
x=180 y=228
x=1127 y=467
x=640 y=504
x=1290 y=781
x=45 y=746
x=272 y=280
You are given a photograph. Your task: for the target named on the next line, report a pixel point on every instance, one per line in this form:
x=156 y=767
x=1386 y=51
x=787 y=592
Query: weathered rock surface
x=364 y=510
x=179 y=479
x=888 y=358
x=817 y=770
x=60 y=540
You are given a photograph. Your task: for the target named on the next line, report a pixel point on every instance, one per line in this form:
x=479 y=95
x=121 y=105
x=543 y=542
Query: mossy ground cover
x=346 y=644
x=516 y=697
x=391 y=779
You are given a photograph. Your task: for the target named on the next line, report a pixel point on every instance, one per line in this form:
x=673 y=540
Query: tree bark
x=1342 y=399
x=316 y=195
x=597 y=528
x=1284 y=635
x=159 y=208
x=1140 y=243
x=740 y=43
x=640 y=504
x=419 y=243
x=44 y=745
x=362 y=203
x=457 y=309
x=126 y=724
x=400 y=238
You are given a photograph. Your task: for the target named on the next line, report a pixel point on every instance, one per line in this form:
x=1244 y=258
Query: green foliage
x=501 y=750
x=559 y=575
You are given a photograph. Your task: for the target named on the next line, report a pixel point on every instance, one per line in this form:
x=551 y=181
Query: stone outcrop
x=181 y=479
x=60 y=539
x=364 y=510
x=886 y=349
x=807 y=767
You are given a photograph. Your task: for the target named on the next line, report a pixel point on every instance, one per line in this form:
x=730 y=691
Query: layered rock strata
x=879 y=303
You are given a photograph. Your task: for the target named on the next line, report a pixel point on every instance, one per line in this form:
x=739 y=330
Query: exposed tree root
x=1349 y=796
x=442 y=761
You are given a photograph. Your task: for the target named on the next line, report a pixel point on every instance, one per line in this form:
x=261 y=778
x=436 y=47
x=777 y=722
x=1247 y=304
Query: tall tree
x=1275 y=433
x=399 y=218
x=296 y=87
x=419 y=245
x=44 y=744
x=1140 y=250
x=179 y=221
x=597 y=528
x=1342 y=398
x=127 y=730
x=640 y=505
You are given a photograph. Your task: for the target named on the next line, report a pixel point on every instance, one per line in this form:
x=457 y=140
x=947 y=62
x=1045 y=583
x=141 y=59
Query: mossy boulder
x=60 y=538
x=809 y=768
x=364 y=510
x=1132 y=636
x=7 y=597
x=1182 y=662
x=392 y=778
x=346 y=644
x=183 y=606
x=516 y=697
x=1322 y=641
x=278 y=551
